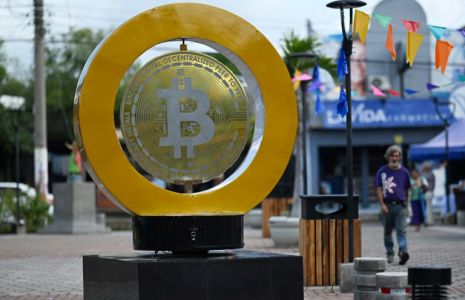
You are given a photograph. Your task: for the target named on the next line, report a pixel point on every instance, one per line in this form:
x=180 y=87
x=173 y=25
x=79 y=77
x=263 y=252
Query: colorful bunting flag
x=462 y=31
x=361 y=21
x=390 y=43
x=411 y=25
x=430 y=86
x=410 y=92
x=377 y=92
x=297 y=73
x=317 y=83
x=461 y=78
x=394 y=93
x=382 y=19
x=452 y=83
x=302 y=77
x=413 y=43
x=443 y=50
x=341 y=65
x=437 y=31
x=342 y=108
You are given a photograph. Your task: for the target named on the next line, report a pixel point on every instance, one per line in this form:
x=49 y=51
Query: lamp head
x=346 y=4
x=307 y=54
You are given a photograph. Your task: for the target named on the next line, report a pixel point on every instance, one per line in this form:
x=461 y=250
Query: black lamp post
x=303 y=88
x=446 y=119
x=347 y=46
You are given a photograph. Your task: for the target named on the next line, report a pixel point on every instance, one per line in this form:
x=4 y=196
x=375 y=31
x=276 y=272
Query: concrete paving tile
x=49 y=267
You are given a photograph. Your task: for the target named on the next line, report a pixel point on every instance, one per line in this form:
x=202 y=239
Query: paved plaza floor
x=49 y=267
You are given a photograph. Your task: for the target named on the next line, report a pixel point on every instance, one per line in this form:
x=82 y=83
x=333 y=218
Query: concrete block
x=370 y=264
x=74 y=210
x=461 y=218
x=449 y=219
x=380 y=296
x=364 y=295
x=365 y=280
x=346 y=278
x=393 y=280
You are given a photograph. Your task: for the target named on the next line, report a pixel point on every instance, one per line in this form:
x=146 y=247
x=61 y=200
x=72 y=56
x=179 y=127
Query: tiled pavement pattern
x=37 y=267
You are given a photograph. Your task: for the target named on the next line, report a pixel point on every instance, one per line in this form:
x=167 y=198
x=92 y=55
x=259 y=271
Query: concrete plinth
x=74 y=210
x=346 y=278
x=461 y=218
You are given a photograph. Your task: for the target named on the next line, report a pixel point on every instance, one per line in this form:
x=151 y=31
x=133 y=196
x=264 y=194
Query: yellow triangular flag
x=297 y=82
x=413 y=43
x=361 y=21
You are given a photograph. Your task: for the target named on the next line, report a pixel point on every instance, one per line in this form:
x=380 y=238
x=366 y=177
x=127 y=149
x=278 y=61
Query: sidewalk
x=49 y=267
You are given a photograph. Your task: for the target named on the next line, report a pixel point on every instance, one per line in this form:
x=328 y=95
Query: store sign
x=393 y=113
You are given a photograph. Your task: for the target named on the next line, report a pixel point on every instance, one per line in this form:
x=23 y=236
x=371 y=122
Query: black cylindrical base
x=187 y=234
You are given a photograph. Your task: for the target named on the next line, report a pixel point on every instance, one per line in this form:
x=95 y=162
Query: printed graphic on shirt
x=388 y=184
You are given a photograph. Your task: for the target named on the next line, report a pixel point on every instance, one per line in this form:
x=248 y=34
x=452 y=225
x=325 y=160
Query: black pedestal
x=187 y=234
x=234 y=275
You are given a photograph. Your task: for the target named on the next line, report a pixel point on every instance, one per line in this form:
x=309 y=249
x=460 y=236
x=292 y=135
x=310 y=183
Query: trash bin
x=324 y=238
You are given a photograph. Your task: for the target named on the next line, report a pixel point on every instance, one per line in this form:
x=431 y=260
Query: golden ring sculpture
x=261 y=66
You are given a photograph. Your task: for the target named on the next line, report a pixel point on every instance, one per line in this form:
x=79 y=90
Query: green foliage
x=222 y=59
x=294 y=44
x=34 y=211
x=13 y=85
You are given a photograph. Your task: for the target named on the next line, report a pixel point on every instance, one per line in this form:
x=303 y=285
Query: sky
x=273 y=18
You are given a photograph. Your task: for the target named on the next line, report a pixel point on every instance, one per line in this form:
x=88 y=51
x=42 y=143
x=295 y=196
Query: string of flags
x=414 y=39
x=413 y=42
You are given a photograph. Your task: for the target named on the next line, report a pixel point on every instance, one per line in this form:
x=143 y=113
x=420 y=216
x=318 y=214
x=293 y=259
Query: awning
x=435 y=149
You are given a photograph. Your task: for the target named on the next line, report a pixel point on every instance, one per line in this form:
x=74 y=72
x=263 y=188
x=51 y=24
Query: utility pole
x=40 y=113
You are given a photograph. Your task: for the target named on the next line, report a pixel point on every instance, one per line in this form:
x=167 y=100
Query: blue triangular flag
x=316 y=72
x=430 y=86
x=341 y=65
x=342 y=108
x=410 y=92
x=318 y=104
x=437 y=31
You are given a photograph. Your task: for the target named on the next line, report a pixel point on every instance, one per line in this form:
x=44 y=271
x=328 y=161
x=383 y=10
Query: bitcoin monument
x=185 y=119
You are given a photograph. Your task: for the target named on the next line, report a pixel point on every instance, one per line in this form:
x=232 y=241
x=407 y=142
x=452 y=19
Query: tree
x=64 y=62
x=12 y=84
x=294 y=44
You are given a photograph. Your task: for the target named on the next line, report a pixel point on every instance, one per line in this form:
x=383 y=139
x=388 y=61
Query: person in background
x=75 y=164
x=417 y=198
x=392 y=184
x=427 y=173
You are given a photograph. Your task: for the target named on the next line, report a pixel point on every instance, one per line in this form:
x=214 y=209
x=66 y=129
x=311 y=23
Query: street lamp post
x=303 y=88
x=15 y=105
x=446 y=119
x=347 y=46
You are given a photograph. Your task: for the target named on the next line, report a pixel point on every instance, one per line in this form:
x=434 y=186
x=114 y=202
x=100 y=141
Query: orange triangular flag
x=390 y=43
x=443 y=50
x=413 y=43
x=361 y=21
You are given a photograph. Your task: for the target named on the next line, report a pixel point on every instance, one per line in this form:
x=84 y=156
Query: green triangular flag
x=461 y=78
x=452 y=83
x=383 y=20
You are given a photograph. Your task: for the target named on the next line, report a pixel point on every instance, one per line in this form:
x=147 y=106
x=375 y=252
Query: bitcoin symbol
x=185 y=117
x=175 y=116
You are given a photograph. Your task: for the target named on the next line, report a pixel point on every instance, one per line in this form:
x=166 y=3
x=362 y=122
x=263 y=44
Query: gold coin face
x=185 y=117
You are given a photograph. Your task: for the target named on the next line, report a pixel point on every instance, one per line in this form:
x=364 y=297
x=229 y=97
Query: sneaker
x=403 y=258
x=390 y=258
